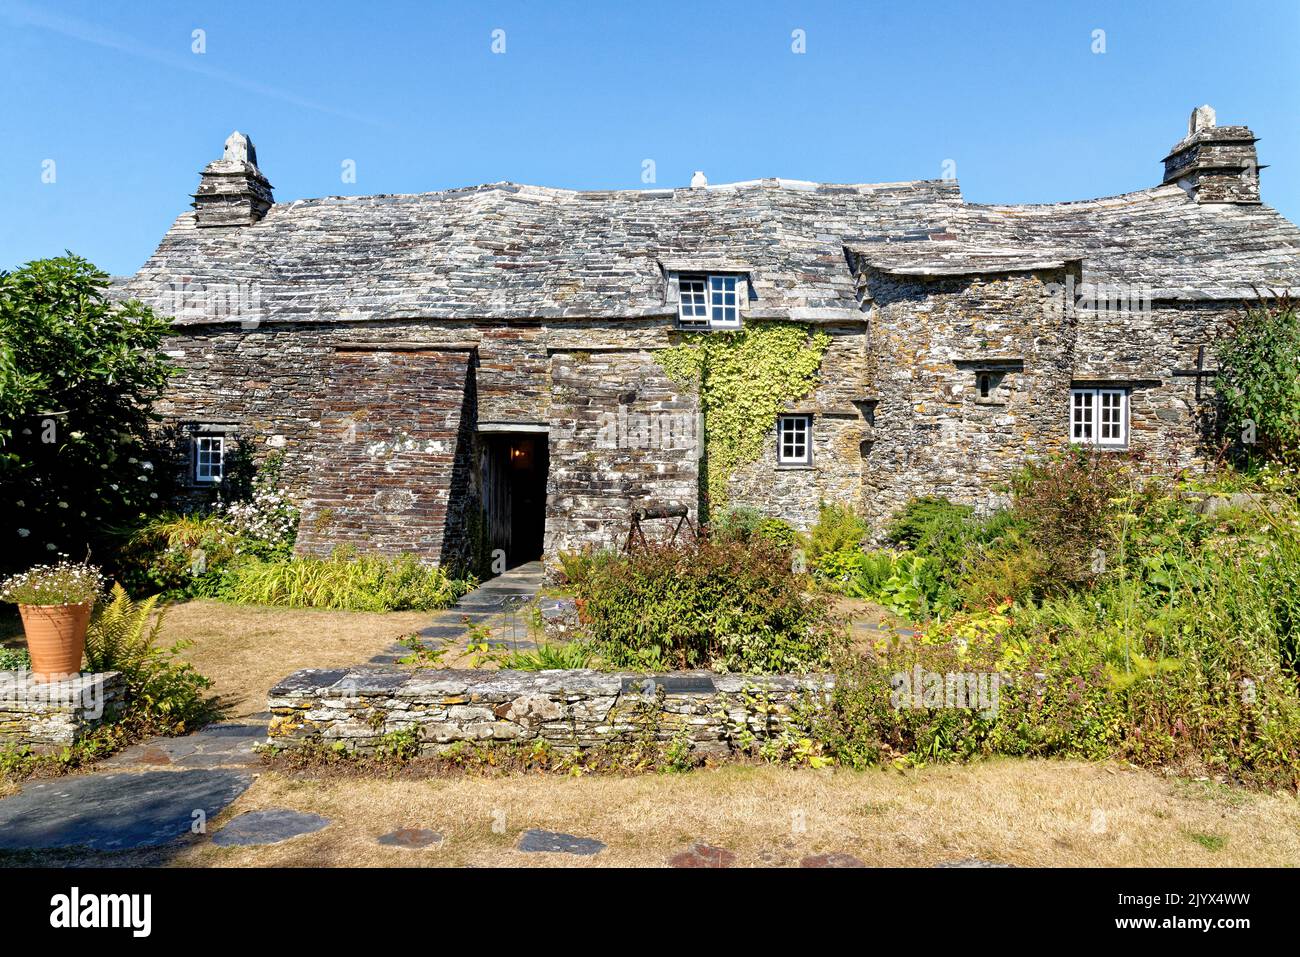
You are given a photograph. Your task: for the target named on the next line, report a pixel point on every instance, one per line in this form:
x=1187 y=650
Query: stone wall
x=567 y=709
x=47 y=716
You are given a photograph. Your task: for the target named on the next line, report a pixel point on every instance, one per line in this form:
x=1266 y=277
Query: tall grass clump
x=344 y=581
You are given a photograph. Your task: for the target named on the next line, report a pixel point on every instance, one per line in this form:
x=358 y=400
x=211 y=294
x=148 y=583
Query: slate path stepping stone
x=703 y=855
x=835 y=859
x=267 y=827
x=216 y=746
x=115 y=812
x=413 y=838
x=972 y=862
x=556 y=843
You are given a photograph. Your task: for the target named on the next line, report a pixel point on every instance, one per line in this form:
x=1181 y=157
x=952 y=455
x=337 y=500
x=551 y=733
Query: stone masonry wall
x=932 y=433
x=567 y=709
x=47 y=716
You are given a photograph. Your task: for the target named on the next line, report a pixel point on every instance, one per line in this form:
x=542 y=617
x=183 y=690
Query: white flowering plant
x=63 y=583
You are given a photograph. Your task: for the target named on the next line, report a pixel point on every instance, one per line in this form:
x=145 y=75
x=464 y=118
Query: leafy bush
x=185 y=556
x=1258 y=379
x=853 y=571
x=78 y=378
x=577 y=567
x=67 y=583
x=920 y=518
x=1069 y=504
x=838 y=527
x=726 y=605
x=743 y=523
x=345 y=581
x=163 y=693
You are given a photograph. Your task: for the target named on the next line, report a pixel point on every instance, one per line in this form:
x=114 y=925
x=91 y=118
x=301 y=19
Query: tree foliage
x=1259 y=379
x=78 y=376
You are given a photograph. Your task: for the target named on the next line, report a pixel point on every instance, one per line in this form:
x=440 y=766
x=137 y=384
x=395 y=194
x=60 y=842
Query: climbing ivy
x=744 y=379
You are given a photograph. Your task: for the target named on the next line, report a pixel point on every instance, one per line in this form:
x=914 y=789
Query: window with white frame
x=709 y=301
x=794 y=440
x=209 y=457
x=1099 y=416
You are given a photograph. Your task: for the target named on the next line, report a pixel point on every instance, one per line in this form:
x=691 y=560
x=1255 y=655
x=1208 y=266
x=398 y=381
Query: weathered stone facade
x=566 y=709
x=47 y=716
x=406 y=352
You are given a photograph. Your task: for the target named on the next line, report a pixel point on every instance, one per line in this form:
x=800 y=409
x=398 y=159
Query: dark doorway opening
x=514 y=492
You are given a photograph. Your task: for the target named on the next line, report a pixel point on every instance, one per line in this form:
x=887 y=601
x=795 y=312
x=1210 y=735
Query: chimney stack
x=1215 y=164
x=233 y=191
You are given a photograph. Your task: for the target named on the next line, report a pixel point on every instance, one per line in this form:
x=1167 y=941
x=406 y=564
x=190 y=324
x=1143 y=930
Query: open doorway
x=514 y=493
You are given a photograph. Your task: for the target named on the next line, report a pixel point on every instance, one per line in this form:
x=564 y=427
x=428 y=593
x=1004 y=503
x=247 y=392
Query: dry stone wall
x=567 y=709
x=47 y=716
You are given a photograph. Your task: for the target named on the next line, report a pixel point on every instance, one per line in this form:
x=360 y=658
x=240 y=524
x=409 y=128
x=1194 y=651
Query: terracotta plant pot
x=56 y=638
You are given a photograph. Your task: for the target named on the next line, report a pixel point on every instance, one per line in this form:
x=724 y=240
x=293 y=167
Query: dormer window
x=708 y=301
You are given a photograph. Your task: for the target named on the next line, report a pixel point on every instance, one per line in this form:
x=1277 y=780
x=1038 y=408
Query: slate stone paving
x=972 y=862
x=115 y=812
x=268 y=827
x=703 y=855
x=834 y=859
x=413 y=838
x=555 y=843
x=496 y=604
x=216 y=746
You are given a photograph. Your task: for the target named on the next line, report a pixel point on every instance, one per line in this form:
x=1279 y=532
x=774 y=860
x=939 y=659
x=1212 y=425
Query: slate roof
x=508 y=251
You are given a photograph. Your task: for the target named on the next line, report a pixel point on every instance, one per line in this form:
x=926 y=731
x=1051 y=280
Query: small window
x=709 y=302
x=985 y=381
x=209 y=457
x=1099 y=416
x=692 y=309
x=794 y=440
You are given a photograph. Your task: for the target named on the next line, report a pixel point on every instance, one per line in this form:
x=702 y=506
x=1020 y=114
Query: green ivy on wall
x=744 y=380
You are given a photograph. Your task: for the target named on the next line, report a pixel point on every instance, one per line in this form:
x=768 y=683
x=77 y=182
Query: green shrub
x=577 y=567
x=1258 y=380
x=180 y=556
x=744 y=523
x=163 y=693
x=1069 y=503
x=65 y=583
x=726 y=605
x=344 y=581
x=919 y=518
x=838 y=527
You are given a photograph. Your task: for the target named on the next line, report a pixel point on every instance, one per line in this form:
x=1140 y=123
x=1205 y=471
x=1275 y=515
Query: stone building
x=482 y=367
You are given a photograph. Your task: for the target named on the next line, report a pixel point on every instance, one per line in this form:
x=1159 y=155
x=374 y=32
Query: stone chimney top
x=1215 y=164
x=699 y=179
x=232 y=190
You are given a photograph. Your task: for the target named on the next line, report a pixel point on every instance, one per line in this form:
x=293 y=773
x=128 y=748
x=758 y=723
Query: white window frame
x=709 y=300
x=206 y=443
x=1099 y=416
x=787 y=423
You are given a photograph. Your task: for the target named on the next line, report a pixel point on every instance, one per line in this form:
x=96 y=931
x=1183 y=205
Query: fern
x=162 y=691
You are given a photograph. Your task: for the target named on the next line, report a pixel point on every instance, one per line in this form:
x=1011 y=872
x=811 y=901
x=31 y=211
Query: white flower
x=63 y=505
x=151 y=495
x=20 y=503
x=147 y=465
x=50 y=546
x=24 y=532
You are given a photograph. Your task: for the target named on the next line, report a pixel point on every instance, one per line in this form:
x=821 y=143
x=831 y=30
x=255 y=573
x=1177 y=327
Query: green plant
x=1258 y=383
x=727 y=605
x=422 y=656
x=546 y=657
x=837 y=529
x=744 y=380
x=1069 y=503
x=15 y=659
x=66 y=583
x=163 y=693
x=78 y=378
x=345 y=580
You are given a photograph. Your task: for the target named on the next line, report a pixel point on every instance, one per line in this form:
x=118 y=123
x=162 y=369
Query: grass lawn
x=1026 y=812
x=246 y=650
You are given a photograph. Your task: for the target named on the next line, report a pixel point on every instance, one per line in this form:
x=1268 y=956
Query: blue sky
x=414 y=95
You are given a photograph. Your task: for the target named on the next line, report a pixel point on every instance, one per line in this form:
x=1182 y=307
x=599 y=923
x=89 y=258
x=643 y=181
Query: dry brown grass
x=1048 y=813
x=246 y=650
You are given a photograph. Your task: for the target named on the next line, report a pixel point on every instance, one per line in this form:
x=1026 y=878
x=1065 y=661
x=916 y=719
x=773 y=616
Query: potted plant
x=55 y=603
